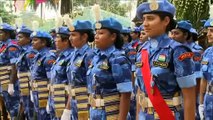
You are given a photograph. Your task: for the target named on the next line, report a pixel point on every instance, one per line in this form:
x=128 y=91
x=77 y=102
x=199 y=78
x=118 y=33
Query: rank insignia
x=204 y=62
x=104 y=65
x=78 y=63
x=162 y=58
x=31 y=55
x=153 y=5
x=160 y=64
x=185 y=56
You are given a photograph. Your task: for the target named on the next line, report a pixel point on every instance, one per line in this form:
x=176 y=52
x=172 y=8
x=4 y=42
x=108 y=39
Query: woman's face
x=77 y=40
x=153 y=25
x=178 y=35
x=3 y=35
x=210 y=34
x=143 y=36
x=23 y=39
x=37 y=43
x=59 y=44
x=104 y=39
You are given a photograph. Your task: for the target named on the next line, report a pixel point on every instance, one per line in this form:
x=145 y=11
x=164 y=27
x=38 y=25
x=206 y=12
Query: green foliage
x=193 y=10
x=6 y=16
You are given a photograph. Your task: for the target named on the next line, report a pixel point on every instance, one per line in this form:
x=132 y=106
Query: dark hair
x=129 y=37
x=11 y=33
x=185 y=32
x=194 y=37
x=64 y=37
x=90 y=34
x=119 y=41
x=48 y=41
x=136 y=33
x=163 y=15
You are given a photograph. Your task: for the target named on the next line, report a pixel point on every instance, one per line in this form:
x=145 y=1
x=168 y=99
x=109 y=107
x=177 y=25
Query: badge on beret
x=211 y=23
x=72 y=28
x=34 y=33
x=98 y=25
x=185 y=56
x=153 y=5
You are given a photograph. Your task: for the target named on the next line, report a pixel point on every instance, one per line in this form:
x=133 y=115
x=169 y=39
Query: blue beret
x=155 y=6
x=193 y=31
x=81 y=25
x=184 y=25
x=209 y=23
x=126 y=30
x=24 y=29
x=5 y=26
x=136 y=29
x=109 y=23
x=41 y=34
x=63 y=30
x=142 y=28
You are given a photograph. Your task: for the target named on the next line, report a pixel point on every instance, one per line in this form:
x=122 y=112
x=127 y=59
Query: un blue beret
x=63 y=30
x=109 y=23
x=5 y=26
x=81 y=25
x=136 y=29
x=184 y=25
x=209 y=23
x=24 y=29
x=193 y=31
x=126 y=30
x=157 y=6
x=41 y=34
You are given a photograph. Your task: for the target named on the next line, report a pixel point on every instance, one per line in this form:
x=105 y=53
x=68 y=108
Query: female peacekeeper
x=59 y=79
x=206 y=88
x=23 y=64
x=164 y=68
x=109 y=74
x=43 y=61
x=81 y=33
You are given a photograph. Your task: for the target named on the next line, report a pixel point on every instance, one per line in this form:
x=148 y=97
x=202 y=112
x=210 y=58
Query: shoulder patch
x=185 y=56
x=50 y=61
x=13 y=49
x=31 y=55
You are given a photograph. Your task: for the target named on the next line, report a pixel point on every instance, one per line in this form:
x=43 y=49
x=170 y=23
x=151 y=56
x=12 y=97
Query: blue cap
x=63 y=30
x=155 y=6
x=209 y=23
x=109 y=23
x=126 y=30
x=136 y=29
x=81 y=25
x=141 y=27
x=184 y=25
x=24 y=29
x=41 y=34
x=5 y=26
x=193 y=31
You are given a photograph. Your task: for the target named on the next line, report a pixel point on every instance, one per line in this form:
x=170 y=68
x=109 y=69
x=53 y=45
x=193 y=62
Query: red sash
x=135 y=45
x=3 y=48
x=154 y=94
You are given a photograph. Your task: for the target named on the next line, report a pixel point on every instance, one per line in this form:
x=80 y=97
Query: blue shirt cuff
x=187 y=81
x=198 y=74
x=124 y=87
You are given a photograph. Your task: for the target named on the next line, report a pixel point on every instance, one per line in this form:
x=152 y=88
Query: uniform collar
x=43 y=51
x=26 y=47
x=66 y=52
x=82 y=50
x=163 y=40
x=107 y=52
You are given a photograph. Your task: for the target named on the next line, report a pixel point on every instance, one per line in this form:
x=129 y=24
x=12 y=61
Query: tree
x=6 y=16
